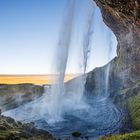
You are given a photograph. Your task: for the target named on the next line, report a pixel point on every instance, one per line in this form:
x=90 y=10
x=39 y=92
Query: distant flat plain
x=34 y=79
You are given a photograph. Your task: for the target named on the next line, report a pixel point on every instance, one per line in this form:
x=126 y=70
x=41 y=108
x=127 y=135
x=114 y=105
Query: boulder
x=76 y=134
x=12 y=130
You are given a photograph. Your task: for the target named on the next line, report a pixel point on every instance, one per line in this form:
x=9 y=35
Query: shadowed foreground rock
x=76 y=134
x=12 y=130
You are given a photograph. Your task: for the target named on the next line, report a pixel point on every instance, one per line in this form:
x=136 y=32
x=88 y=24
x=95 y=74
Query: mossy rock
x=16 y=135
x=9 y=134
x=134 y=110
x=13 y=130
x=128 y=136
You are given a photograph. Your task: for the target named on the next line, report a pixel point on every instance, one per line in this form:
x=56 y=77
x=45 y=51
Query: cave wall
x=123 y=18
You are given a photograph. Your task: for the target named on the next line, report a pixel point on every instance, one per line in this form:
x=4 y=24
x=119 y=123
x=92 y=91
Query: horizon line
x=37 y=74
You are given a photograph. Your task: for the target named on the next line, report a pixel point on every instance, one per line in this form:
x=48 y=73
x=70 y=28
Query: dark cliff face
x=120 y=15
x=123 y=18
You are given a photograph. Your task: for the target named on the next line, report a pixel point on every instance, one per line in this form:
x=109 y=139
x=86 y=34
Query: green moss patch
x=128 y=136
x=134 y=110
x=9 y=134
x=13 y=130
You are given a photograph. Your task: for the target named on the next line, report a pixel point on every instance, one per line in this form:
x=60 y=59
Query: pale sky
x=29 y=33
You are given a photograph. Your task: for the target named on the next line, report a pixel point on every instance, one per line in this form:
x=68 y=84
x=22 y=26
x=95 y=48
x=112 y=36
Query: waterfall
x=55 y=102
x=62 y=101
x=87 y=39
x=109 y=54
x=87 y=44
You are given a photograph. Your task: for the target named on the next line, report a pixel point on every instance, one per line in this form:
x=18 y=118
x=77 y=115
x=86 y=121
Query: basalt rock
x=13 y=130
x=76 y=134
x=123 y=18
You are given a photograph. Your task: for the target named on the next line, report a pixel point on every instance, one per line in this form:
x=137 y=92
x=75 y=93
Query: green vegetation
x=128 y=136
x=13 y=130
x=20 y=135
x=5 y=135
x=134 y=110
x=13 y=135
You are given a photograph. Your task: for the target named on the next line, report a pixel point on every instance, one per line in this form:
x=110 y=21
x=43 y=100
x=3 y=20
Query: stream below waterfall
x=100 y=117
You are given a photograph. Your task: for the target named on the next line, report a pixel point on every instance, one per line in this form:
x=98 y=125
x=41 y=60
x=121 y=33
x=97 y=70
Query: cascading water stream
x=87 y=38
x=107 y=71
x=87 y=46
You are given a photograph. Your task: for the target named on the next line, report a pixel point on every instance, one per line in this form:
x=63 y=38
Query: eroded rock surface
x=13 y=130
x=123 y=18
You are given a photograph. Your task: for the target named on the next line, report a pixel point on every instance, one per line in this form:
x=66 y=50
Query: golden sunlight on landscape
x=35 y=79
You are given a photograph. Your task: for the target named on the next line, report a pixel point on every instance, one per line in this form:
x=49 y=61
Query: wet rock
x=76 y=134
x=121 y=16
x=3 y=127
x=12 y=130
x=19 y=123
x=10 y=120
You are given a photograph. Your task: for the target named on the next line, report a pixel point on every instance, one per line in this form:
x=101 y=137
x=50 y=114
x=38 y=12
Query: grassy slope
x=134 y=109
x=12 y=130
x=129 y=136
